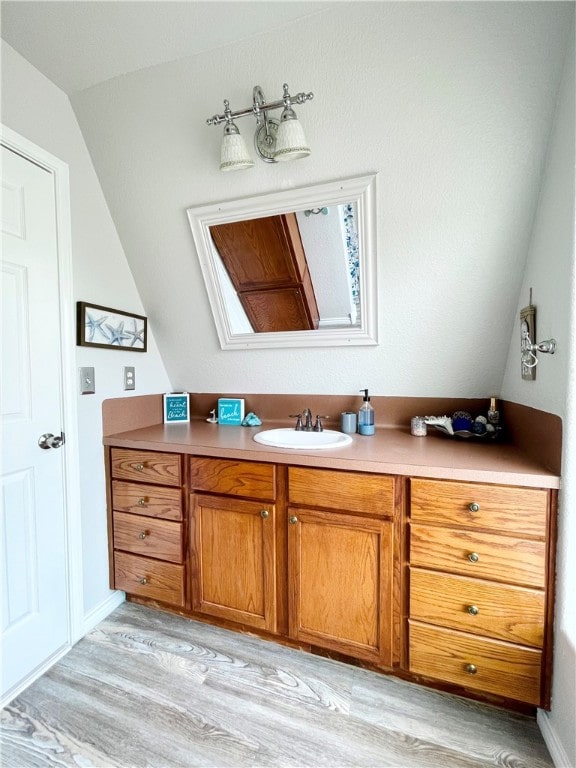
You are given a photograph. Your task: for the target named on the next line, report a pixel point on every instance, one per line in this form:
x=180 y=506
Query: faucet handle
x=297 y=416
x=318 y=427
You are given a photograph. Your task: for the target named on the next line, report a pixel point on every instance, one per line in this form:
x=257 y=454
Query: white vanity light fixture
x=274 y=140
x=234 y=154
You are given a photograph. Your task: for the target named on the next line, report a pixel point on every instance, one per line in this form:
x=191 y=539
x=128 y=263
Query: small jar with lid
x=418 y=426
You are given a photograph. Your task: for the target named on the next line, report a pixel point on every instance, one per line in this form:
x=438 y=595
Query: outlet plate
x=129 y=377
x=87 y=381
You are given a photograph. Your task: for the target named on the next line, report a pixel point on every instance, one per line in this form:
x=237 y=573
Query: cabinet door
x=261 y=253
x=278 y=309
x=234 y=560
x=340 y=583
x=267 y=265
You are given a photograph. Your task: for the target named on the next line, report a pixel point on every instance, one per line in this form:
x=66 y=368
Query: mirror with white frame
x=337 y=224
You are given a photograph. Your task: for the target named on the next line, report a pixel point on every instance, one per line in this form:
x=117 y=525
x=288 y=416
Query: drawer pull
x=474 y=507
x=142 y=534
x=292 y=519
x=143 y=580
x=473 y=610
x=264 y=514
x=471 y=669
x=139 y=467
x=473 y=557
x=141 y=502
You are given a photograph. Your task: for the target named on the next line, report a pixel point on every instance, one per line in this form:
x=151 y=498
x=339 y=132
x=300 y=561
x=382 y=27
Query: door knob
x=48 y=440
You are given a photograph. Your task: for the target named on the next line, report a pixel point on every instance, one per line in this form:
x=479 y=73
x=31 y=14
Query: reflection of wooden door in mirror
x=267 y=265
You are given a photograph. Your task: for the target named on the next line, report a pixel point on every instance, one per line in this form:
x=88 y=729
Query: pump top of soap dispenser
x=365 y=398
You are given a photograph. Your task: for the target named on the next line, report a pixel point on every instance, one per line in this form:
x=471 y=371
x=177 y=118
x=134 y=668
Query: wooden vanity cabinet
x=479 y=587
x=341 y=561
x=450 y=580
x=147 y=525
x=233 y=535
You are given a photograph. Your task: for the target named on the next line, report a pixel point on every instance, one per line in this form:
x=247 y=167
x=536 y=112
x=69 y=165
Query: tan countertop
x=390 y=451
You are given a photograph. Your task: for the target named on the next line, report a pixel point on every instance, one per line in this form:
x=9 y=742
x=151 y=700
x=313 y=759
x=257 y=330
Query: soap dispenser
x=366 y=416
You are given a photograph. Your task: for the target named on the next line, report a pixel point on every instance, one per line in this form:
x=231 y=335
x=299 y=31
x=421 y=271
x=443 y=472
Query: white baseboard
x=101 y=611
x=21 y=685
x=90 y=620
x=555 y=747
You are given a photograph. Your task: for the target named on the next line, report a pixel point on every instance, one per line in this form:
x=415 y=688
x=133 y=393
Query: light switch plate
x=129 y=377
x=87 y=381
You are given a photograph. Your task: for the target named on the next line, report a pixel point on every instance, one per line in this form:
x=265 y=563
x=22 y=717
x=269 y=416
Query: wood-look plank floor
x=147 y=689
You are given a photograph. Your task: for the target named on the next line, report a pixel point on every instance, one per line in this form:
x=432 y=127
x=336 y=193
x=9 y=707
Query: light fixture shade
x=291 y=143
x=234 y=153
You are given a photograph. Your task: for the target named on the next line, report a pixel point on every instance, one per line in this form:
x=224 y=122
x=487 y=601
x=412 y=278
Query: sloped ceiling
x=80 y=44
x=450 y=103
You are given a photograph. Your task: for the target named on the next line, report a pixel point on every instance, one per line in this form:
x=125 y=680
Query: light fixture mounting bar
x=299 y=98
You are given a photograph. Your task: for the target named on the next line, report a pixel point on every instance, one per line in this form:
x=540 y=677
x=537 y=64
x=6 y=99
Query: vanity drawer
x=519 y=511
x=149 y=578
x=480 y=555
x=146 y=466
x=148 y=500
x=145 y=536
x=344 y=491
x=233 y=478
x=501 y=611
x=486 y=665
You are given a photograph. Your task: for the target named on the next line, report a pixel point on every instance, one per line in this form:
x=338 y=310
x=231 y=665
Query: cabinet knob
x=473 y=557
x=139 y=467
x=473 y=610
x=143 y=580
x=292 y=519
x=471 y=669
x=264 y=514
x=474 y=507
x=141 y=502
x=142 y=535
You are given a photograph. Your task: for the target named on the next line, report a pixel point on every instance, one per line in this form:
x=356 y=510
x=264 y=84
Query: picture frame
x=107 y=328
x=176 y=408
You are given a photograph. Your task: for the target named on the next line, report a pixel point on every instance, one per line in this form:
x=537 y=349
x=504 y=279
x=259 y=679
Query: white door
x=33 y=551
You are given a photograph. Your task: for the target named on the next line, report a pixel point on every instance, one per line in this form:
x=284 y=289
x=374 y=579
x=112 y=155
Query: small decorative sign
x=230 y=411
x=176 y=408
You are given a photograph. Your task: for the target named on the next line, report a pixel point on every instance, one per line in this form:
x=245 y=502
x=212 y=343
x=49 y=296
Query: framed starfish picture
x=110 y=328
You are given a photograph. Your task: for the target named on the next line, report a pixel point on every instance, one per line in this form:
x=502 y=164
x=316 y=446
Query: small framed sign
x=176 y=408
x=230 y=410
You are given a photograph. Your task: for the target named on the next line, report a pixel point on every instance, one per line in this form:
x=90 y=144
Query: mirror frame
x=360 y=189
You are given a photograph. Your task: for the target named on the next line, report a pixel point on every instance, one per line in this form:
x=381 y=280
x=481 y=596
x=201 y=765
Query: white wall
x=451 y=103
x=551 y=272
x=38 y=110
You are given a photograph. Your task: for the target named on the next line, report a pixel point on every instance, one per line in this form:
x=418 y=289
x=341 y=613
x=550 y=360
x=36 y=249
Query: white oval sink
x=290 y=438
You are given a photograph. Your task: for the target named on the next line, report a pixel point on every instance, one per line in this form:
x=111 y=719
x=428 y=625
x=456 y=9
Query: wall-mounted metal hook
x=529 y=349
